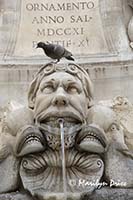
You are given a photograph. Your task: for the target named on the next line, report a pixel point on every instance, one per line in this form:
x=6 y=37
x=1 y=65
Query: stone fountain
x=98 y=151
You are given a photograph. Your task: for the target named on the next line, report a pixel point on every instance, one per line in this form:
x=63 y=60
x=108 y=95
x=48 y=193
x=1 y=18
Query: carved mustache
x=29 y=140
x=92 y=139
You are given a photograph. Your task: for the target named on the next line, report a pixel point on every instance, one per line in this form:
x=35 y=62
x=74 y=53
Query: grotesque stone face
x=60 y=91
x=60 y=95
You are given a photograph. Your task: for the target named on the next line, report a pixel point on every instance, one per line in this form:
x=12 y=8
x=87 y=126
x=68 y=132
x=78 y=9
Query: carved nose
x=60 y=100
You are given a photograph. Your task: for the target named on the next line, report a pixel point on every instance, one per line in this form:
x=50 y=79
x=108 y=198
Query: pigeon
x=55 y=51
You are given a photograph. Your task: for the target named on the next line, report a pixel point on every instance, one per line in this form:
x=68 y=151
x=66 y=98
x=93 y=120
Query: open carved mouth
x=92 y=139
x=29 y=140
x=69 y=119
x=50 y=126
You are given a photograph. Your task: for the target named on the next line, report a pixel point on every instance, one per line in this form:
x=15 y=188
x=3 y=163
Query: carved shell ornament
x=42 y=173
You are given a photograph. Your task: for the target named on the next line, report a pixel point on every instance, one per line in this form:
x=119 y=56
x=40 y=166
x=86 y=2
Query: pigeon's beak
x=36 y=46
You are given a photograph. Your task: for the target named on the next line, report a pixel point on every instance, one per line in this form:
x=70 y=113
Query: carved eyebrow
x=69 y=82
x=49 y=82
x=72 y=83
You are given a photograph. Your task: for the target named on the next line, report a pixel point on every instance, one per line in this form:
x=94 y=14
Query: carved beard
x=52 y=132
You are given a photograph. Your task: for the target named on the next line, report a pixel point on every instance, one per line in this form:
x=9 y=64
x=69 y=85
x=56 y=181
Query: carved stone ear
x=32 y=93
x=31 y=103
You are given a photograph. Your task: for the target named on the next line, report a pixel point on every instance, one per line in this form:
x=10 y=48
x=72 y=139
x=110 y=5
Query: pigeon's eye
x=47 y=89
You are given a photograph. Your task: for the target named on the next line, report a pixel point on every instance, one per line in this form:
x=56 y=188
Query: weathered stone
x=61 y=99
x=110 y=194
x=9 y=170
x=15 y=196
x=98 y=139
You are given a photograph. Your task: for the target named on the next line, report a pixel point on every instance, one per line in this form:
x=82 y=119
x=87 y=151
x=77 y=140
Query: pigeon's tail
x=69 y=58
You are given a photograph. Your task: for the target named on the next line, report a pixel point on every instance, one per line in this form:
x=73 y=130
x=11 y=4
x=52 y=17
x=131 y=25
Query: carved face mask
x=60 y=95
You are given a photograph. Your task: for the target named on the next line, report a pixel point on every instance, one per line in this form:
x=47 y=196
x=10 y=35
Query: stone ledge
x=101 y=194
x=110 y=194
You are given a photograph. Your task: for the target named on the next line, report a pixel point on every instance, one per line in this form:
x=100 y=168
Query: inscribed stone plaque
x=75 y=24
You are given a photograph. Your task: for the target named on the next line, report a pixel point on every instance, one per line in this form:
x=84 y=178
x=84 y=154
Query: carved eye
x=125 y=103
x=47 y=89
x=73 y=90
x=114 y=127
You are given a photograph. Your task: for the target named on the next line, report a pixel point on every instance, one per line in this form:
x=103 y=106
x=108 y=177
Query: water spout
x=61 y=121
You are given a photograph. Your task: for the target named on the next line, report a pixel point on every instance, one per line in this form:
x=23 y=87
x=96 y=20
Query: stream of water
x=63 y=158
